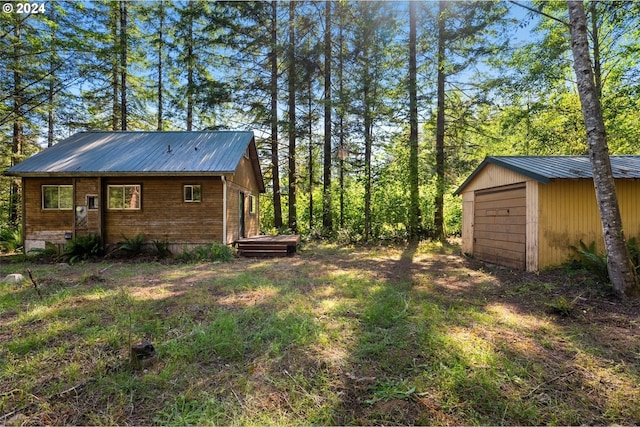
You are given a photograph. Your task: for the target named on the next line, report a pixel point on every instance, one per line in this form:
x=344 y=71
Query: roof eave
x=496 y=161
x=115 y=174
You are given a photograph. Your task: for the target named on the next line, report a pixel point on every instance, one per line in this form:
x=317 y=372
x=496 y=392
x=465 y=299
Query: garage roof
x=545 y=168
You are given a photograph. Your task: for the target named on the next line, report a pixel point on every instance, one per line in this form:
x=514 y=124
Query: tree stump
x=143 y=355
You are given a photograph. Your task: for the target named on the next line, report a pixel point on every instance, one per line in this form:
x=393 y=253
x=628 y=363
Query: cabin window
x=123 y=197
x=192 y=193
x=57 y=197
x=92 y=202
x=252 y=204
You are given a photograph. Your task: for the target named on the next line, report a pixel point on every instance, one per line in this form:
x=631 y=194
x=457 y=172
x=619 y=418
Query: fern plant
x=162 y=248
x=132 y=246
x=593 y=261
x=83 y=248
x=10 y=239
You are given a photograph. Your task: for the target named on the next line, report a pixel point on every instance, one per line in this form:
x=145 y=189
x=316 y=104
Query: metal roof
x=545 y=168
x=149 y=153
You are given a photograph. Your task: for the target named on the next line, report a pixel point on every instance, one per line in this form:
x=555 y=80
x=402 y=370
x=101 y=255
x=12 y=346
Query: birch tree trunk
x=621 y=271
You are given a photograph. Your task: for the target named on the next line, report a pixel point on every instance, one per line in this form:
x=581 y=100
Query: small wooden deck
x=268 y=246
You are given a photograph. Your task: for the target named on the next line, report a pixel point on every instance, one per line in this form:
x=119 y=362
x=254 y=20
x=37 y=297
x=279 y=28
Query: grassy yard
x=331 y=336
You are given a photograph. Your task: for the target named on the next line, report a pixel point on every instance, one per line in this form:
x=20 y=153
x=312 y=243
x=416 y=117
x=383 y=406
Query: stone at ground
x=13 y=279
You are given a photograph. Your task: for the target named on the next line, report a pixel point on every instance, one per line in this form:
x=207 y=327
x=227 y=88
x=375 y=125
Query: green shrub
x=83 y=248
x=161 y=248
x=220 y=252
x=10 y=239
x=634 y=252
x=592 y=261
x=596 y=263
x=132 y=246
x=214 y=252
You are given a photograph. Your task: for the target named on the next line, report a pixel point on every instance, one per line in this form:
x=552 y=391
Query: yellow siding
x=628 y=192
x=558 y=214
x=569 y=213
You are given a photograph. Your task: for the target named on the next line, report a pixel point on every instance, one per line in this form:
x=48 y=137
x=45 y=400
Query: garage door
x=500 y=226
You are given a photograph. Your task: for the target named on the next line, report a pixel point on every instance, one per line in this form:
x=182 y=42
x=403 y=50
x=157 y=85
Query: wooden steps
x=268 y=246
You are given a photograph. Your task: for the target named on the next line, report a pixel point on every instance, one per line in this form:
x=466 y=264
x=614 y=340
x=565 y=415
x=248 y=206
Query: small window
x=92 y=202
x=123 y=197
x=57 y=197
x=192 y=193
x=252 y=204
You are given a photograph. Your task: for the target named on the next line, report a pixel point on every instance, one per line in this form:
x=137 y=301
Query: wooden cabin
x=186 y=188
x=526 y=212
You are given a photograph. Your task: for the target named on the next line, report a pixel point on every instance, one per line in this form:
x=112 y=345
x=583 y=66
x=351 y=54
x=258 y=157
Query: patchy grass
x=335 y=335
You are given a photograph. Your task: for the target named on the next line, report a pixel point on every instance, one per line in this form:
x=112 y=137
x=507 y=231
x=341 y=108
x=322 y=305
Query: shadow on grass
x=403 y=335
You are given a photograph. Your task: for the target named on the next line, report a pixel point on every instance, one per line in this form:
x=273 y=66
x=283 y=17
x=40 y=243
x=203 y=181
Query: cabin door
x=241 y=214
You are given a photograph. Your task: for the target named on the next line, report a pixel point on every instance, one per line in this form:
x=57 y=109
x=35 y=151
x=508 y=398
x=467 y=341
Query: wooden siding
x=42 y=225
x=500 y=226
x=84 y=187
x=245 y=177
x=164 y=214
x=243 y=181
x=494 y=176
x=569 y=213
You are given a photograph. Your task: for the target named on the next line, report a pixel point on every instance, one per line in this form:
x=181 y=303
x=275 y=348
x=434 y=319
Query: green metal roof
x=147 y=153
x=545 y=168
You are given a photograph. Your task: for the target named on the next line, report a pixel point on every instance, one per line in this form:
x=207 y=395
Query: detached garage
x=525 y=212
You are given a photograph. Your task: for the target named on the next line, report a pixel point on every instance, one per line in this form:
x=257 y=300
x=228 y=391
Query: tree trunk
x=115 y=73
x=597 y=66
x=414 y=197
x=327 y=221
x=310 y=160
x=190 y=66
x=342 y=151
x=438 y=220
x=293 y=214
x=16 y=140
x=368 y=136
x=123 y=65
x=621 y=271
x=53 y=60
x=161 y=16
x=275 y=158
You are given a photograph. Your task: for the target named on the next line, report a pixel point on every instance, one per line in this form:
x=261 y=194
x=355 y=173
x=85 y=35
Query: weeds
x=214 y=252
x=562 y=306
